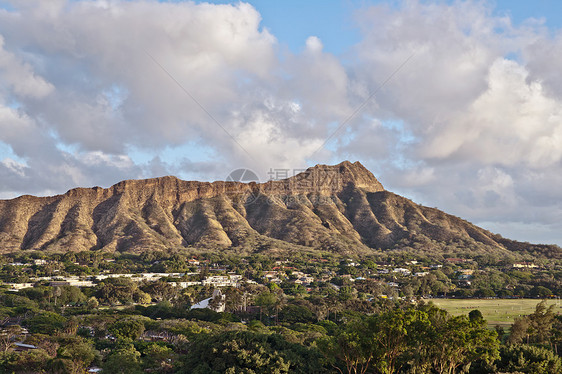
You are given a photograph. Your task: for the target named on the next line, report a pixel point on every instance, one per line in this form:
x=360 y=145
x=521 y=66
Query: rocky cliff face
x=340 y=208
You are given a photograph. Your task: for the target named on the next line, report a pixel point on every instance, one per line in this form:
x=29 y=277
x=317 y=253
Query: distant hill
x=341 y=208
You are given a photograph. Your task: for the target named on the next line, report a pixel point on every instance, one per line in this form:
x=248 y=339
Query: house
x=527 y=265
x=193 y=262
x=307 y=279
x=268 y=275
x=402 y=271
x=81 y=283
x=185 y=284
x=59 y=283
x=221 y=281
x=157 y=336
x=19 y=286
x=215 y=302
x=351 y=262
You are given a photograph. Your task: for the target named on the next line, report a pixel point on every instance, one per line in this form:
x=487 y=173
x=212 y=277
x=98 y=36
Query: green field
x=496 y=311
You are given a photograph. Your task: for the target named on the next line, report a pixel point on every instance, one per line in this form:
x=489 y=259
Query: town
x=158 y=304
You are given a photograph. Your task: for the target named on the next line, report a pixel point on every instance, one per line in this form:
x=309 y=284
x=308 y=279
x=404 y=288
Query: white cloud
x=20 y=77
x=314 y=44
x=482 y=124
x=512 y=123
x=209 y=49
x=14 y=166
x=123 y=86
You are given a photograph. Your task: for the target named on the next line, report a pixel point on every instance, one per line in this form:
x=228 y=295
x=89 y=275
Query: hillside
x=341 y=208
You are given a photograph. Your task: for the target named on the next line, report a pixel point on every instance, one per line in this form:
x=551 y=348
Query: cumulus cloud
x=159 y=75
x=20 y=77
x=85 y=86
x=479 y=129
x=110 y=92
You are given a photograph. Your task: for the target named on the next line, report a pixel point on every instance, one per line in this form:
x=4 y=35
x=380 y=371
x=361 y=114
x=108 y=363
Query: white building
x=216 y=302
x=402 y=271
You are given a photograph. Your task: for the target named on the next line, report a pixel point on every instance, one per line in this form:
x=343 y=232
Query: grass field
x=496 y=311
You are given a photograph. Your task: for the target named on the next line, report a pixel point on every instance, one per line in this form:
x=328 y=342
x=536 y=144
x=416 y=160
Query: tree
x=143 y=297
x=519 y=331
x=524 y=358
x=57 y=292
x=534 y=328
x=233 y=299
x=127 y=329
x=116 y=290
x=79 y=352
x=346 y=293
x=475 y=316
x=540 y=292
x=93 y=302
x=123 y=360
x=46 y=323
x=8 y=336
x=541 y=322
x=296 y=313
x=389 y=334
x=157 y=358
x=34 y=361
x=160 y=290
x=459 y=341
x=71 y=295
x=351 y=345
x=266 y=301
x=248 y=352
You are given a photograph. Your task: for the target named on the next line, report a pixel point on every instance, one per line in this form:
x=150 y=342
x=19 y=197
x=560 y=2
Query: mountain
x=341 y=208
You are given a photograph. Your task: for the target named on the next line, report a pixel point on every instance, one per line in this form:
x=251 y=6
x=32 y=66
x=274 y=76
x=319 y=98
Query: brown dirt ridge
x=340 y=208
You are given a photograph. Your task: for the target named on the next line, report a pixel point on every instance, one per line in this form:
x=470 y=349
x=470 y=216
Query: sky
x=453 y=104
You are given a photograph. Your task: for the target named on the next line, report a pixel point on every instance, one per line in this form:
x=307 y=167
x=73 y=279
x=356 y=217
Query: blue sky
x=293 y=21
x=550 y=11
x=94 y=92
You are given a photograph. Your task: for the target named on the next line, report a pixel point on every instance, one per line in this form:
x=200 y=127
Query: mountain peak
x=326 y=180
x=345 y=173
